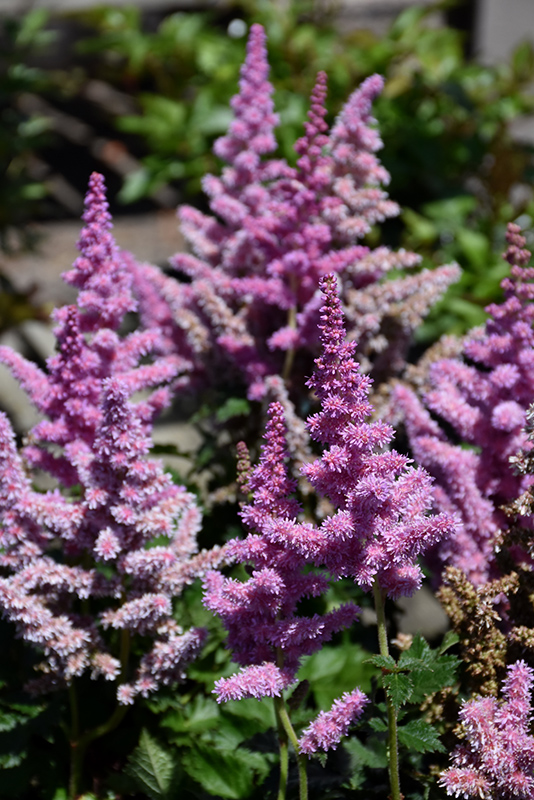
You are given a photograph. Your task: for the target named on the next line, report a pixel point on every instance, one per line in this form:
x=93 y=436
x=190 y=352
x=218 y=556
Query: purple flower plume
x=275 y=230
x=265 y=633
x=483 y=397
x=329 y=727
x=378 y=530
x=496 y=759
x=54 y=544
x=381 y=523
x=90 y=350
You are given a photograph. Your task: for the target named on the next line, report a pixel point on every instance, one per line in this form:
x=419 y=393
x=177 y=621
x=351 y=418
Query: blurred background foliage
x=446 y=121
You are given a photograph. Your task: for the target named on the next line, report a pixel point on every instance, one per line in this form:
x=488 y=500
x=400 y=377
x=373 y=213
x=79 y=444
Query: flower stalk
x=393 y=745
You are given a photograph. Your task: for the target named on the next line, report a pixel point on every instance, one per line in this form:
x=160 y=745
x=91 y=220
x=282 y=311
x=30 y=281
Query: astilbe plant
x=471 y=421
x=81 y=579
x=277 y=229
x=267 y=635
x=378 y=529
x=496 y=759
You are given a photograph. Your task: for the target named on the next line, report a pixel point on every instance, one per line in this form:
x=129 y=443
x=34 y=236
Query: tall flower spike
x=267 y=636
x=252 y=130
x=105 y=287
x=329 y=727
x=381 y=524
x=497 y=758
x=483 y=397
x=90 y=350
x=123 y=500
x=276 y=230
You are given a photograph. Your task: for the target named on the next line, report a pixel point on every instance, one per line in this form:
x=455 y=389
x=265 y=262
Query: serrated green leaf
x=334 y=670
x=378 y=725
x=383 y=662
x=429 y=669
x=419 y=649
x=9 y=721
x=373 y=754
x=229 y=774
x=200 y=715
x=430 y=680
x=153 y=768
x=260 y=711
x=399 y=688
x=420 y=736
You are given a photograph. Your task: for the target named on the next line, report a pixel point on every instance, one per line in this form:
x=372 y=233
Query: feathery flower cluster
x=380 y=525
x=277 y=229
x=95 y=440
x=266 y=635
x=376 y=534
x=496 y=761
x=483 y=397
x=329 y=727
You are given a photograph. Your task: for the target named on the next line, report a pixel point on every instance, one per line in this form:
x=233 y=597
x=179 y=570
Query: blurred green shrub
x=20 y=135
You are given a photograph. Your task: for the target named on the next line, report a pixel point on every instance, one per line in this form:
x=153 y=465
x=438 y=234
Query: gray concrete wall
x=501 y=25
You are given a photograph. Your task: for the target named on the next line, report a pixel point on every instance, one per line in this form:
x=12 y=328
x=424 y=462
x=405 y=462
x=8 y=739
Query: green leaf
x=228 y=774
x=260 y=711
x=475 y=246
x=420 y=736
x=399 y=688
x=334 y=670
x=10 y=760
x=449 y=640
x=378 y=725
x=153 y=768
x=135 y=186
x=233 y=407
x=383 y=662
x=200 y=715
x=429 y=669
x=373 y=754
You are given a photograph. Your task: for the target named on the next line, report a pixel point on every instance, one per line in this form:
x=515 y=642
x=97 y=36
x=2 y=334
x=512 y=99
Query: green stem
x=79 y=744
x=79 y=747
x=74 y=713
x=284 y=754
x=282 y=714
x=393 y=745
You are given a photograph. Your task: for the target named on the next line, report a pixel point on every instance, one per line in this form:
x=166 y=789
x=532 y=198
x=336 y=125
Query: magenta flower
x=379 y=528
x=381 y=523
x=53 y=544
x=483 y=397
x=329 y=727
x=267 y=636
x=90 y=350
x=496 y=759
x=275 y=230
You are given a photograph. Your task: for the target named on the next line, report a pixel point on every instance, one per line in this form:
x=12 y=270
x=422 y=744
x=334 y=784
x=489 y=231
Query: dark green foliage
x=20 y=134
x=153 y=769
